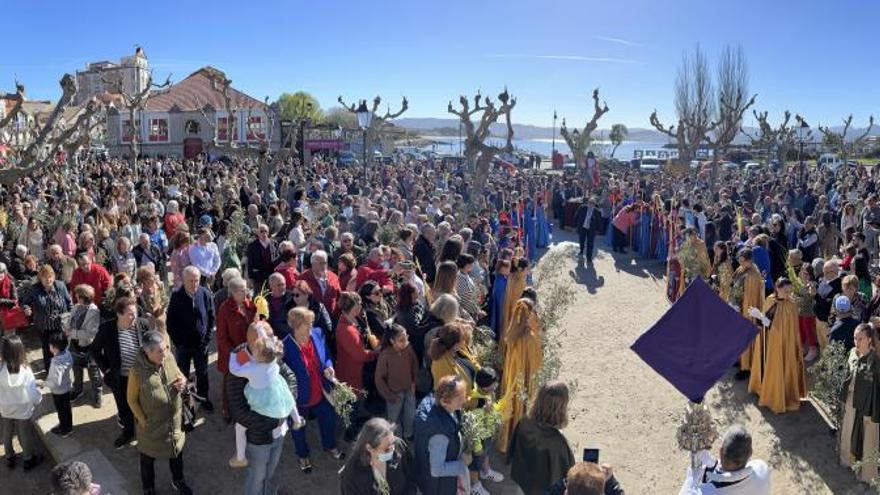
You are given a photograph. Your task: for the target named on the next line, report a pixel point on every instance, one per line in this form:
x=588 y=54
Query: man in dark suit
x=588 y=220
x=262 y=256
x=191 y=319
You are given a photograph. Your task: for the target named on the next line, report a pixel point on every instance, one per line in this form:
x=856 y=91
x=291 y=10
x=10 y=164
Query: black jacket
x=580 y=216
x=423 y=251
x=257 y=268
x=259 y=427
x=105 y=348
x=191 y=319
x=358 y=479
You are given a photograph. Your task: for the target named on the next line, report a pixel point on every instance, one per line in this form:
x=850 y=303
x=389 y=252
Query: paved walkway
x=628 y=411
x=621 y=406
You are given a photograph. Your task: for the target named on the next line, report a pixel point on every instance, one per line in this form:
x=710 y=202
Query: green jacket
x=157 y=407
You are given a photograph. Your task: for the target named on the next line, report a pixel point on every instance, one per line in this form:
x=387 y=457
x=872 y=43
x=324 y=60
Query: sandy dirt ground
x=631 y=414
x=621 y=406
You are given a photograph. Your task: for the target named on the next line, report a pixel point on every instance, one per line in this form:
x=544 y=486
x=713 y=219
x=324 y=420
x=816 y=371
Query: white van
x=830 y=161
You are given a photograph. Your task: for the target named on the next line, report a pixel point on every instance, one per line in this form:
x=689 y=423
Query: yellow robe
x=516 y=282
x=753 y=296
x=523 y=357
x=783 y=382
x=724 y=272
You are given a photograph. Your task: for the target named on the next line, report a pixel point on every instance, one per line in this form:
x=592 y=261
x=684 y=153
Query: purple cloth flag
x=696 y=341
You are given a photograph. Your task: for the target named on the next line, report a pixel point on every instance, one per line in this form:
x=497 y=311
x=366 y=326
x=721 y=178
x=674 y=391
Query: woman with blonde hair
x=523 y=356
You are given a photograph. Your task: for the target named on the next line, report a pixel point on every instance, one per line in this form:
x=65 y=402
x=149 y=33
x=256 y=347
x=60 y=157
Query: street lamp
x=365 y=117
x=802 y=131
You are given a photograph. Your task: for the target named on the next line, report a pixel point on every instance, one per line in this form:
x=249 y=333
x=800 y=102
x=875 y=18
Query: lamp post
x=553 y=152
x=802 y=131
x=302 y=133
x=365 y=117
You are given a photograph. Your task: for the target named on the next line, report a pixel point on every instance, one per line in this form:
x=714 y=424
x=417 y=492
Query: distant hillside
x=449 y=127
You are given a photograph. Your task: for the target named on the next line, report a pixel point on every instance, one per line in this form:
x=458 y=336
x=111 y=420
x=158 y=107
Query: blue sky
x=815 y=58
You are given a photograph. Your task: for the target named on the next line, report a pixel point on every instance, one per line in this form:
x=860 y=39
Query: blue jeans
x=326 y=425
x=197 y=356
x=262 y=461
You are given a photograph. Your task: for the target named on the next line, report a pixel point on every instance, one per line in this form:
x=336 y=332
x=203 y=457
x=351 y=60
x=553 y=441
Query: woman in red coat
x=354 y=349
x=352 y=352
x=233 y=318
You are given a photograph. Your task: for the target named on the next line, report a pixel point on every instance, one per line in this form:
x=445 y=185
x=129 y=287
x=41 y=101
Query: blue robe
x=543 y=234
x=496 y=304
x=530 y=230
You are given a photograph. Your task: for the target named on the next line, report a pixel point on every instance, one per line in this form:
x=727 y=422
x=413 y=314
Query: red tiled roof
x=195 y=92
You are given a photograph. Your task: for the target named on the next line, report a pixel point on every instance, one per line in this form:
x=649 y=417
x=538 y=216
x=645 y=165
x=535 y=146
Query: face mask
x=387 y=456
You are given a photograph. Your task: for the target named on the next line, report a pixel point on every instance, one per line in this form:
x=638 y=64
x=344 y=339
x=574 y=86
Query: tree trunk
x=266 y=173
x=481 y=178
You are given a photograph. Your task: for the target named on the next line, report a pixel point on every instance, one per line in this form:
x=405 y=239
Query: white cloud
x=619 y=41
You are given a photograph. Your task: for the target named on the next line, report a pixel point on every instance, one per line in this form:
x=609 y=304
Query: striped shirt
x=129 y=345
x=467 y=294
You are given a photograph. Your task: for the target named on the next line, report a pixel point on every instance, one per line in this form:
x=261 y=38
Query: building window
x=255 y=129
x=127 y=131
x=158 y=130
x=223 y=129
x=192 y=127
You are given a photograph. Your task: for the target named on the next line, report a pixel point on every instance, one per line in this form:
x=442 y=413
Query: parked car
x=346 y=158
x=752 y=166
x=650 y=165
x=729 y=165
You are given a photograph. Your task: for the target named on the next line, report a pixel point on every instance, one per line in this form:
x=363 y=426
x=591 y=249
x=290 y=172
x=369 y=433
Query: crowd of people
x=795 y=251
x=386 y=284
x=322 y=282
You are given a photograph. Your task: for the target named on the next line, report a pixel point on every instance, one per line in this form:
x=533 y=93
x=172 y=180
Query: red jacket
x=371 y=271
x=98 y=278
x=329 y=297
x=232 y=326
x=351 y=354
x=290 y=275
x=172 y=220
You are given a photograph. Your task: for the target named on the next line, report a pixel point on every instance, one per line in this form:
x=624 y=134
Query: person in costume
x=778 y=366
x=498 y=295
x=693 y=257
x=722 y=271
x=747 y=292
x=542 y=236
x=516 y=283
x=523 y=356
x=530 y=228
x=859 y=434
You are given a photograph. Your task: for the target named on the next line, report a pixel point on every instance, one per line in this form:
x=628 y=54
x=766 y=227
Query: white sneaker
x=492 y=475
x=478 y=489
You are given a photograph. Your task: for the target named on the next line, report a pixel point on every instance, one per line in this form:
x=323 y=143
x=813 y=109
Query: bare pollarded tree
x=477 y=149
x=708 y=115
x=781 y=138
x=579 y=140
x=378 y=122
x=257 y=150
x=838 y=140
x=44 y=142
x=134 y=103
